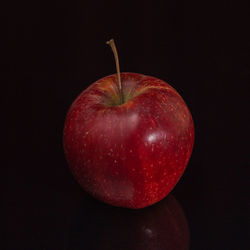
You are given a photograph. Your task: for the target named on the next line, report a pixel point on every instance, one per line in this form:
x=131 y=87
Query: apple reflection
x=96 y=225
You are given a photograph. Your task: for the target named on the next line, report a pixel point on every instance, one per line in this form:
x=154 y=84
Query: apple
x=128 y=138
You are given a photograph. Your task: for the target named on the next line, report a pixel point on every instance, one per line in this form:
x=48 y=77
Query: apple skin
x=130 y=155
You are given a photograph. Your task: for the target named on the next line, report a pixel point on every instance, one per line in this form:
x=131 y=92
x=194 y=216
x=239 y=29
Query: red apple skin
x=129 y=155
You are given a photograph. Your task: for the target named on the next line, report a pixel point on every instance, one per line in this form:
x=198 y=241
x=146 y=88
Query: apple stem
x=111 y=43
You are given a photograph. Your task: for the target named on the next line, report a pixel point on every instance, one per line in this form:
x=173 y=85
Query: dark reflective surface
x=99 y=226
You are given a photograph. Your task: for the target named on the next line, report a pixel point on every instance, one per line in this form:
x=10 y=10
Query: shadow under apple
x=96 y=225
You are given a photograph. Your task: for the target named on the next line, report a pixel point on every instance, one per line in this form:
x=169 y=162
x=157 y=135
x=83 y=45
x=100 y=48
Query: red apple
x=128 y=154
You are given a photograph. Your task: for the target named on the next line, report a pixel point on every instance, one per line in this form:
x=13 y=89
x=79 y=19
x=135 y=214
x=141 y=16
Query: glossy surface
x=162 y=226
x=129 y=155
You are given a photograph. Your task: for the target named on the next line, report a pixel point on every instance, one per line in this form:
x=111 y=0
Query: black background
x=56 y=49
